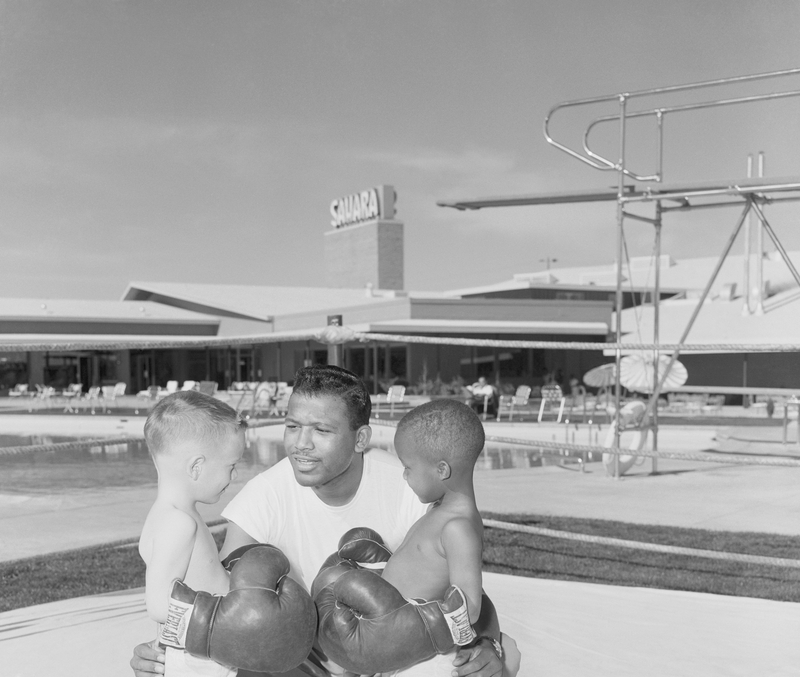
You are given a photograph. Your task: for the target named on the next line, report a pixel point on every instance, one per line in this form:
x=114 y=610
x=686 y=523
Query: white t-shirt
x=273 y=508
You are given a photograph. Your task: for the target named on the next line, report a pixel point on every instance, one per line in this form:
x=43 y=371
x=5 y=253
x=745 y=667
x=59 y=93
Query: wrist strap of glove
x=497 y=646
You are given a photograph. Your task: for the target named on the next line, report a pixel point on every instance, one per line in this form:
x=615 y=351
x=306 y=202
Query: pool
x=129 y=464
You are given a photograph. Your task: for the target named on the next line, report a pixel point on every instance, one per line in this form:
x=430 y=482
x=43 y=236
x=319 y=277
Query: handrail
x=597 y=161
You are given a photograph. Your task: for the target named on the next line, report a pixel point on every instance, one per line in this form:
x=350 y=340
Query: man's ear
x=443 y=470
x=363 y=436
x=196 y=466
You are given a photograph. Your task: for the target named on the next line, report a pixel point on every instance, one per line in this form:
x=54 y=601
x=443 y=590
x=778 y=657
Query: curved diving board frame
x=752 y=194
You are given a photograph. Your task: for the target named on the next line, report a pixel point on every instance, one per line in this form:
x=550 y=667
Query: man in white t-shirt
x=328 y=484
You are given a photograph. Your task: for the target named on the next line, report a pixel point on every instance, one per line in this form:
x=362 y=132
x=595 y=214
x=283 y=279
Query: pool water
x=264 y=449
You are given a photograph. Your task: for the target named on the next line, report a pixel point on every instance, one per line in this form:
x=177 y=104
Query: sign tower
x=365 y=246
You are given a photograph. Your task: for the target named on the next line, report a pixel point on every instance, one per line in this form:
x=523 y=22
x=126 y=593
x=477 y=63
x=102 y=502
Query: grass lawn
x=520 y=554
x=104 y=569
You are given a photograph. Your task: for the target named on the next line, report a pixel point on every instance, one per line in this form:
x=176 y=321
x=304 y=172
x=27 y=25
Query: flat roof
x=98 y=310
x=253 y=301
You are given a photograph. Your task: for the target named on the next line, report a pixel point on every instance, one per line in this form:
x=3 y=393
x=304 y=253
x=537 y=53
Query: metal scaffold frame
x=751 y=195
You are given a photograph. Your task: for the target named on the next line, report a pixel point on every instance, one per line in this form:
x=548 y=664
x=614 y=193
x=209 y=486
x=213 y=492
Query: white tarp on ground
x=562 y=628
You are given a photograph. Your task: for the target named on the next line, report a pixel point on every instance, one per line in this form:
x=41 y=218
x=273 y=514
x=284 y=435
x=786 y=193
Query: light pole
x=547 y=261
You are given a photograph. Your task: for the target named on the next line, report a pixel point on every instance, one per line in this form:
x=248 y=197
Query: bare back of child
x=195 y=442
x=438 y=444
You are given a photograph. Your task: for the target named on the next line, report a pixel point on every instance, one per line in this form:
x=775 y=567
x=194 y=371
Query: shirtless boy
x=438 y=444
x=195 y=441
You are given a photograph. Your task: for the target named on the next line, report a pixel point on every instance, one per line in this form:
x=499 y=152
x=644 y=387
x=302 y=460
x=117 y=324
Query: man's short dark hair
x=326 y=379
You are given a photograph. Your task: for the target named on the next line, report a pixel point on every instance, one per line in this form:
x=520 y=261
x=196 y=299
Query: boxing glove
x=266 y=623
x=367 y=626
x=359 y=548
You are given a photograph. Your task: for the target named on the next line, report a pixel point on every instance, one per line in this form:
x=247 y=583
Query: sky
x=203 y=141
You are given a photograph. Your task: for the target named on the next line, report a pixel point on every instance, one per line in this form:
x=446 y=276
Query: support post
x=335 y=349
x=747 y=254
x=618 y=328
x=656 y=332
x=760 y=249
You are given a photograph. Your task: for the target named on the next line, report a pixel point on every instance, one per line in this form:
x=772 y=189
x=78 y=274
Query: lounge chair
x=394 y=395
x=111 y=393
x=208 y=387
x=71 y=394
x=550 y=395
x=508 y=402
x=93 y=397
x=148 y=396
x=172 y=387
x=19 y=390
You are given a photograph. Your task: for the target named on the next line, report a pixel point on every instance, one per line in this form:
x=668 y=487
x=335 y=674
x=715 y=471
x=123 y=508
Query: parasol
x=600 y=377
x=636 y=373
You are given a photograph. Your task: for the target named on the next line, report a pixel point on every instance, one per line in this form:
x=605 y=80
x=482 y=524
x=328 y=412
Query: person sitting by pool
x=328 y=484
x=195 y=442
x=482 y=396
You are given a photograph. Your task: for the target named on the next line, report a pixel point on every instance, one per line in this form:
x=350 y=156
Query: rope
x=585 y=345
x=101 y=441
x=332 y=335
x=638 y=545
x=62 y=446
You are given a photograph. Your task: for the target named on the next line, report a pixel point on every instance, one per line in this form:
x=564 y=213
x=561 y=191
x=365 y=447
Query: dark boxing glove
x=359 y=548
x=367 y=626
x=266 y=623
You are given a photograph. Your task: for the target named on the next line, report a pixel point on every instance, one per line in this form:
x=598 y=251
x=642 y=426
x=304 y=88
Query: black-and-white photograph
x=456 y=338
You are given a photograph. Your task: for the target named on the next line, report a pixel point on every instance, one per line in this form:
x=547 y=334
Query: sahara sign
x=364 y=206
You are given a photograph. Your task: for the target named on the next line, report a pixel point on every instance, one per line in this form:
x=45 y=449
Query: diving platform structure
x=751 y=195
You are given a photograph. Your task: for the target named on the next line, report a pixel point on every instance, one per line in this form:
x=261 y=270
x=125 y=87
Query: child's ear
x=443 y=470
x=196 y=466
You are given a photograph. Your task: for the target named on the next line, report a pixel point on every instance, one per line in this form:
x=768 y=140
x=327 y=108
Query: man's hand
x=148 y=659
x=480 y=660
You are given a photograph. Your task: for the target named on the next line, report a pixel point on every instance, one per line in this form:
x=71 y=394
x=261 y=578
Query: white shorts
x=441 y=665
x=180 y=663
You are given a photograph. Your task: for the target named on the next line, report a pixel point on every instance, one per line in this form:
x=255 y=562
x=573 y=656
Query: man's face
x=320 y=444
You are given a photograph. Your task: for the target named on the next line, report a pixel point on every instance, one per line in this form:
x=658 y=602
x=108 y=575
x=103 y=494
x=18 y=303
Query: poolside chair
x=71 y=394
x=19 y=390
x=394 y=395
x=148 y=396
x=208 y=387
x=172 y=387
x=550 y=395
x=111 y=393
x=93 y=397
x=508 y=402
x=265 y=397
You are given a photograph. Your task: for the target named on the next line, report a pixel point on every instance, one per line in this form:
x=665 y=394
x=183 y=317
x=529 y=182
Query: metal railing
x=598 y=161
